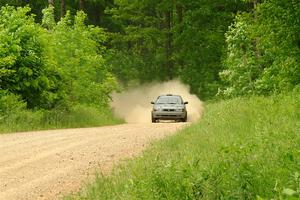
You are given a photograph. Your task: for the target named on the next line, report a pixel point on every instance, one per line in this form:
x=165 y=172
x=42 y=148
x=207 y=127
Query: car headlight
x=156 y=109
x=179 y=110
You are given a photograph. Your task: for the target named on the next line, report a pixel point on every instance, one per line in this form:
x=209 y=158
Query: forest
x=63 y=57
x=61 y=61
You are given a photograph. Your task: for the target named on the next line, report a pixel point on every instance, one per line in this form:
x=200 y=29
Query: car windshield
x=169 y=100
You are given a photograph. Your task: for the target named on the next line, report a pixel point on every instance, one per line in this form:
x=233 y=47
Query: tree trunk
x=179 y=12
x=97 y=13
x=169 y=47
x=81 y=4
x=51 y=2
x=62 y=8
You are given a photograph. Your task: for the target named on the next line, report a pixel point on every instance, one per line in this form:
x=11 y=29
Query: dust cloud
x=134 y=105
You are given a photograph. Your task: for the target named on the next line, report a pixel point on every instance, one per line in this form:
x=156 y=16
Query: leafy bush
x=263 y=52
x=75 y=117
x=14 y=115
x=53 y=63
x=10 y=103
x=79 y=116
x=56 y=70
x=76 y=50
x=22 y=66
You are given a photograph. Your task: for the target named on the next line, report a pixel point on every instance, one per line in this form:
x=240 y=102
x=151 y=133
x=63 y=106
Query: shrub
x=263 y=54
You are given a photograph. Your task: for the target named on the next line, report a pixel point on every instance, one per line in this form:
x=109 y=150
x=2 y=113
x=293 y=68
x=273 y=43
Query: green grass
x=77 y=117
x=246 y=148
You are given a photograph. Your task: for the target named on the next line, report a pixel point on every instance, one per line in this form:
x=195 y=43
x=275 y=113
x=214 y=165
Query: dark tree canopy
x=225 y=48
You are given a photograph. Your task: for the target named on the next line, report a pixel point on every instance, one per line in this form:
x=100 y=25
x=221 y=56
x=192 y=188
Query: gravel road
x=51 y=164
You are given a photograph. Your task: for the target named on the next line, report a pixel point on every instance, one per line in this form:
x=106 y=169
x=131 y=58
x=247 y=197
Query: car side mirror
x=186 y=102
x=152 y=102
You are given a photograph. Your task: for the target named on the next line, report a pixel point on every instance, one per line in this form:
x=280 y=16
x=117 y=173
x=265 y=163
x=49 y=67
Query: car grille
x=169 y=110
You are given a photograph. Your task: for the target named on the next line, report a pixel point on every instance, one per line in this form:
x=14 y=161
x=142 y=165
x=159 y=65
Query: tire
x=184 y=119
x=153 y=120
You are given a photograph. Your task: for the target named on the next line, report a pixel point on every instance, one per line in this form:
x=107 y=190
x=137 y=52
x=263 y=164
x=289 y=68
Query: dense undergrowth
x=245 y=148
x=18 y=118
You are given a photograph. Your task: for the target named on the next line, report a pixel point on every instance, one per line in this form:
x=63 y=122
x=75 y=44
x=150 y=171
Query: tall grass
x=246 y=148
x=78 y=116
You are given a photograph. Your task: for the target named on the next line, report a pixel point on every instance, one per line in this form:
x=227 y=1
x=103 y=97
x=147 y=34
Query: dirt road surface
x=51 y=164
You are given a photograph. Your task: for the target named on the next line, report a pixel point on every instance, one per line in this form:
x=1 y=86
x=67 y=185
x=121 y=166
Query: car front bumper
x=168 y=115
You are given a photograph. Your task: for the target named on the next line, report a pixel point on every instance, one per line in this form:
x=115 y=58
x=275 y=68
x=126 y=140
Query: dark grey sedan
x=169 y=107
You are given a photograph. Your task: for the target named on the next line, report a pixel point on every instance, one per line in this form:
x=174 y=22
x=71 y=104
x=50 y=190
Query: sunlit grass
x=77 y=117
x=246 y=148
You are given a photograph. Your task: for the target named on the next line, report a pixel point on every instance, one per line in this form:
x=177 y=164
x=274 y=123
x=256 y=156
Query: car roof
x=169 y=95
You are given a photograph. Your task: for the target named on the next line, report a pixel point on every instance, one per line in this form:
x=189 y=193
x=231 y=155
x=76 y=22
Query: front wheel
x=153 y=120
x=184 y=119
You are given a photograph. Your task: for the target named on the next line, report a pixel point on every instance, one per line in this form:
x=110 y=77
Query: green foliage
x=124 y=65
x=201 y=41
x=263 y=50
x=241 y=149
x=140 y=45
x=188 y=44
x=50 y=60
x=160 y=40
x=62 y=64
x=80 y=115
x=48 y=20
x=10 y=103
x=13 y=113
x=76 y=50
x=54 y=69
x=23 y=70
x=93 y=8
x=77 y=116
